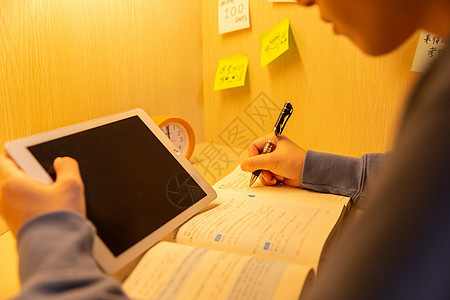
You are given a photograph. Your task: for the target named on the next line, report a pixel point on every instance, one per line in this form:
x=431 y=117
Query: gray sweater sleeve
x=342 y=175
x=56 y=261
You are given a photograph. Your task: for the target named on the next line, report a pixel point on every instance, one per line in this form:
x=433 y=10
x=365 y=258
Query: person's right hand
x=284 y=163
x=23 y=198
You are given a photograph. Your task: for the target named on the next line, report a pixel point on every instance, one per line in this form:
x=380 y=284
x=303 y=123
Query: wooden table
x=9 y=275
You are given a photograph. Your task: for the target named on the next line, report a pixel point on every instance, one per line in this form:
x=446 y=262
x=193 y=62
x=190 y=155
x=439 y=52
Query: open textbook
x=251 y=243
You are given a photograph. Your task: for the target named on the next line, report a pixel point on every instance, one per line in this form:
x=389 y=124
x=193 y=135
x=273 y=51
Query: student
x=399 y=247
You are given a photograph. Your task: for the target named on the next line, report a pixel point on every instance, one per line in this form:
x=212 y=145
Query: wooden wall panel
x=63 y=62
x=344 y=101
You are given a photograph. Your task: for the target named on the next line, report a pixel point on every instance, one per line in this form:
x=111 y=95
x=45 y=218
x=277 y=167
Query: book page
x=174 y=271
x=238 y=181
x=293 y=231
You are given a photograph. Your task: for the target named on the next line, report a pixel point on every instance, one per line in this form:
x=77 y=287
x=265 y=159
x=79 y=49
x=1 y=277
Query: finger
x=278 y=177
x=259 y=162
x=8 y=169
x=257 y=146
x=66 y=169
x=267 y=178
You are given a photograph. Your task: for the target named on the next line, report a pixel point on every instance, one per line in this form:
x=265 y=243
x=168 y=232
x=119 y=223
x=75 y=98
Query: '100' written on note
x=233 y=15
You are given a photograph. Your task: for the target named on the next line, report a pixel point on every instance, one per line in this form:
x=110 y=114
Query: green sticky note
x=231 y=72
x=274 y=42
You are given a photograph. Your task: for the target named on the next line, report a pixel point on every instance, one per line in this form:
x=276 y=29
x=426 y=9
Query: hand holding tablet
x=24 y=198
x=137 y=186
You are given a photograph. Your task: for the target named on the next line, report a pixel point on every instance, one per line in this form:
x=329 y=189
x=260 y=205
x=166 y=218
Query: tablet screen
x=133 y=184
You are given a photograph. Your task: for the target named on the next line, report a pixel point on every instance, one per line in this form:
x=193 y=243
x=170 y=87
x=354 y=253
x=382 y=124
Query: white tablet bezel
x=18 y=151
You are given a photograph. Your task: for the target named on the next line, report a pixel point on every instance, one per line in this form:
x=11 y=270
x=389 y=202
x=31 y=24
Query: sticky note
x=274 y=42
x=233 y=15
x=429 y=48
x=231 y=72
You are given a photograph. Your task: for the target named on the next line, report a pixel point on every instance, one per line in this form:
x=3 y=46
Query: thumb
x=259 y=162
x=9 y=170
x=67 y=169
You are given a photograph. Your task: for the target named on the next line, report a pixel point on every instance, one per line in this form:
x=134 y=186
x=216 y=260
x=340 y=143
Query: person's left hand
x=23 y=198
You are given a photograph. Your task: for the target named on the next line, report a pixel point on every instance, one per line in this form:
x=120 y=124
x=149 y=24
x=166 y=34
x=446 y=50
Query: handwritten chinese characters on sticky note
x=429 y=48
x=274 y=42
x=233 y=15
x=231 y=72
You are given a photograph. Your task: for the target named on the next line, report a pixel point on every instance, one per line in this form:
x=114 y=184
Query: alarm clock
x=179 y=132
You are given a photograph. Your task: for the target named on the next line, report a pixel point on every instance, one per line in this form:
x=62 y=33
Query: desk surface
x=9 y=276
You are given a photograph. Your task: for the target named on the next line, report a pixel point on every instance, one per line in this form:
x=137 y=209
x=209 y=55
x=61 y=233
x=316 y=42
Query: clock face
x=178 y=135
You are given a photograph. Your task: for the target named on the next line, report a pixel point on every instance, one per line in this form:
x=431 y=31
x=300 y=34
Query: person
x=397 y=243
x=398 y=247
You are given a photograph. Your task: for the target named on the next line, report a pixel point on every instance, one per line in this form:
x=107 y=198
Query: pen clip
x=282 y=120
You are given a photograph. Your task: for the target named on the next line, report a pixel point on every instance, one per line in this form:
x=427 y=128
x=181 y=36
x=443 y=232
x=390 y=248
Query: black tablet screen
x=133 y=184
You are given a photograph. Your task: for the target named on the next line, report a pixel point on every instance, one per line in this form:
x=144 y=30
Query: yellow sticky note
x=274 y=42
x=231 y=72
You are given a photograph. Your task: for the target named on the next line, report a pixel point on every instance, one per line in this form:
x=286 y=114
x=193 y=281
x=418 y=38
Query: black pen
x=284 y=116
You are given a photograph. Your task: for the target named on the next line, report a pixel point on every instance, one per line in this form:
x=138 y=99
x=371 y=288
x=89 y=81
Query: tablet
x=138 y=186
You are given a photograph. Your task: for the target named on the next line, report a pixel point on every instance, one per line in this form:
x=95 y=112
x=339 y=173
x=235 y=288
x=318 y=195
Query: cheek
x=384 y=41
x=375 y=26
x=359 y=24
